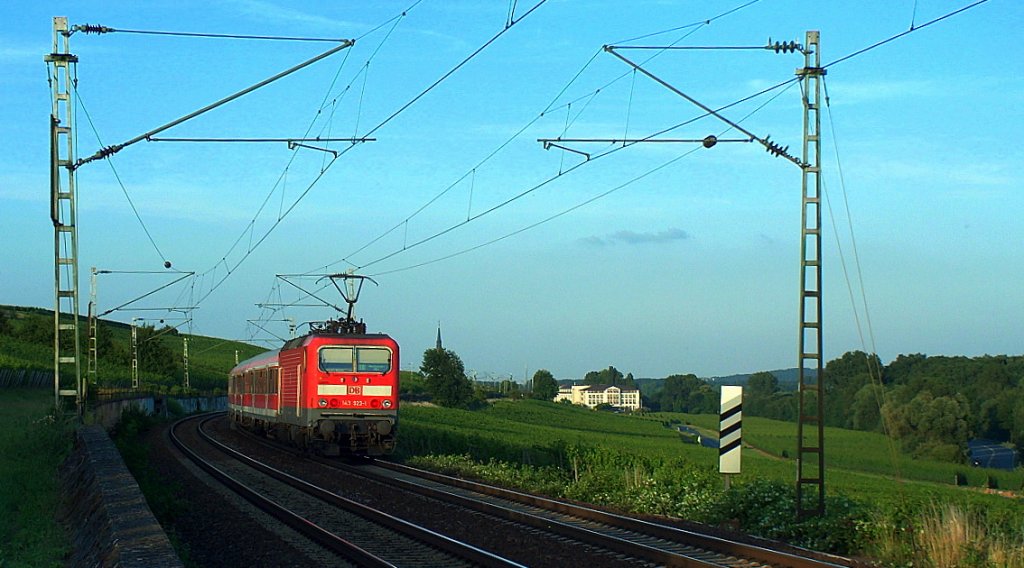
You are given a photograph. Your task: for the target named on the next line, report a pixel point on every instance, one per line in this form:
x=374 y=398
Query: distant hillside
x=787 y=380
x=26 y=342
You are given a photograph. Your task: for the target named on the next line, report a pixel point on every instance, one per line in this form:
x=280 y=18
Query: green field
x=32 y=444
x=866 y=454
x=638 y=460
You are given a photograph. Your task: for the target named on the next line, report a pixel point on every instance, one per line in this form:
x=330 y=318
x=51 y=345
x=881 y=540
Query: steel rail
x=739 y=554
x=592 y=537
x=421 y=534
x=675 y=534
x=314 y=532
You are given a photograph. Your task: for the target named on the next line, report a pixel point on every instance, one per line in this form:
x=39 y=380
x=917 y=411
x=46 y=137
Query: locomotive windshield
x=337 y=359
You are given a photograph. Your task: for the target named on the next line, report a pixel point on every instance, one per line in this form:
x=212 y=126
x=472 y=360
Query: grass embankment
x=17 y=354
x=639 y=464
x=33 y=443
x=26 y=342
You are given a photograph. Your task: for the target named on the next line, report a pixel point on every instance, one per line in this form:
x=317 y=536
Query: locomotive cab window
x=373 y=360
x=335 y=359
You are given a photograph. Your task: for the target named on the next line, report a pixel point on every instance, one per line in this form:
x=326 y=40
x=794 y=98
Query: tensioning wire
x=282 y=213
x=549 y=108
x=579 y=205
x=110 y=160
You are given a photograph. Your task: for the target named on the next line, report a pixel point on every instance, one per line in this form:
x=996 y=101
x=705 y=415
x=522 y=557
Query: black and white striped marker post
x=729 y=434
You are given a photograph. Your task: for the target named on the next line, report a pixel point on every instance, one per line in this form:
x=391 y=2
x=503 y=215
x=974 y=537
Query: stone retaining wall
x=109 y=521
x=108 y=413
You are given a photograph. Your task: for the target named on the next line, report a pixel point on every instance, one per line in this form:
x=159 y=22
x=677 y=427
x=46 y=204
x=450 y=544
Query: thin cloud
x=12 y=54
x=635 y=238
x=265 y=10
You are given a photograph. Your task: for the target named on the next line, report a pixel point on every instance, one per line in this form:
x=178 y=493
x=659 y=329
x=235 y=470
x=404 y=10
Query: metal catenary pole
x=66 y=349
x=810 y=482
x=184 y=362
x=810 y=429
x=135 y=354
x=92 y=364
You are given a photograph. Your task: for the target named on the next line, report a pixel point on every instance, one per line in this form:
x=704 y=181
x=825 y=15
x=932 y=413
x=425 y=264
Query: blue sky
x=669 y=258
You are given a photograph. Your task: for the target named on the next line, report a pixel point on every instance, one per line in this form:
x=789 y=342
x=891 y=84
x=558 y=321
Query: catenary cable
x=872 y=361
x=124 y=190
x=548 y=109
x=578 y=205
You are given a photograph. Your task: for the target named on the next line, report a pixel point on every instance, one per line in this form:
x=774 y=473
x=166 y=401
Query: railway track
x=634 y=541
x=355 y=532
x=652 y=542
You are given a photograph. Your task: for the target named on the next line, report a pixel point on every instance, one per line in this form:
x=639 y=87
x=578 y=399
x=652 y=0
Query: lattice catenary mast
x=66 y=350
x=810 y=458
x=810 y=427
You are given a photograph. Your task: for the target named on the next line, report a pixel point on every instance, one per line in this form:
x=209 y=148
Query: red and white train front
x=333 y=393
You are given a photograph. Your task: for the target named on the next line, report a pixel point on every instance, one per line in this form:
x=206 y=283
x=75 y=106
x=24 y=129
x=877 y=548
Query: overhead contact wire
x=454 y=69
x=391 y=117
x=700 y=23
x=568 y=171
x=577 y=206
x=549 y=108
x=901 y=34
x=250 y=228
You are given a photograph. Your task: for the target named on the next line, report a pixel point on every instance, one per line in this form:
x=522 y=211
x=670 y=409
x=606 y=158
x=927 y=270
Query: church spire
x=439 y=347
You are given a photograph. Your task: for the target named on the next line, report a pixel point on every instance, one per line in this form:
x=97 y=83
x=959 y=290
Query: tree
x=446 y=378
x=844 y=377
x=413 y=386
x=931 y=427
x=545 y=387
x=609 y=376
x=687 y=393
x=762 y=384
x=629 y=381
x=153 y=354
x=757 y=396
x=866 y=411
x=510 y=388
x=1017 y=429
x=104 y=338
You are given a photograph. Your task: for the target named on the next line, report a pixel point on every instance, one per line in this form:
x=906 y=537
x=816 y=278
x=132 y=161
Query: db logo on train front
x=356 y=390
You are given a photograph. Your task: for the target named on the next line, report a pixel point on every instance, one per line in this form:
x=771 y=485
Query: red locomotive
x=333 y=391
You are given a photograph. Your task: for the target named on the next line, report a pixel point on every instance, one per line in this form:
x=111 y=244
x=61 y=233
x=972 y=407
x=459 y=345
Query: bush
x=543 y=480
x=677 y=489
x=174 y=408
x=766 y=508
